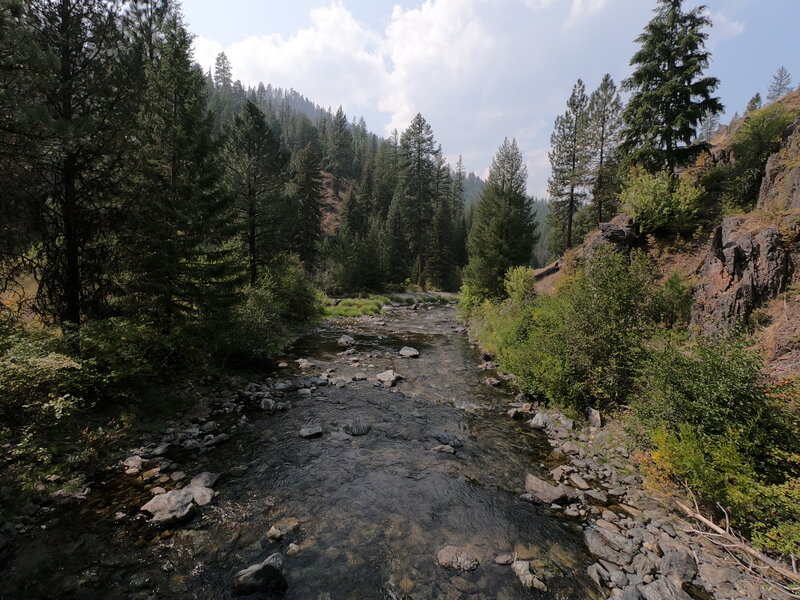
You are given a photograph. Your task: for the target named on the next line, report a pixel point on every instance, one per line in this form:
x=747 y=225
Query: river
x=367 y=514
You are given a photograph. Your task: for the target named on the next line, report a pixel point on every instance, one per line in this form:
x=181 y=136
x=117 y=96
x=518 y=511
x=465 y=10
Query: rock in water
x=172 y=507
x=522 y=569
x=445 y=448
x=409 y=352
x=265 y=577
x=388 y=378
x=313 y=431
x=459 y=559
x=448 y=439
x=345 y=342
x=357 y=427
x=204 y=479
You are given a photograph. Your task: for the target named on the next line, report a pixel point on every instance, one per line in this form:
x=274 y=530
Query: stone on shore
x=409 y=352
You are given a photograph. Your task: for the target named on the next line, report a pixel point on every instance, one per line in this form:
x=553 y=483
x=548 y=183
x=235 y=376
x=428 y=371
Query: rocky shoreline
x=644 y=549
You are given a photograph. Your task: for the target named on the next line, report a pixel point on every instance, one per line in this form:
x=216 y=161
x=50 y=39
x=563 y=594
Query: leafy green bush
x=712 y=424
x=659 y=204
x=281 y=301
x=520 y=284
x=672 y=302
x=758 y=138
x=39 y=381
x=580 y=345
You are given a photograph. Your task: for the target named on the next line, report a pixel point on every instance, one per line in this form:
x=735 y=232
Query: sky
x=477 y=70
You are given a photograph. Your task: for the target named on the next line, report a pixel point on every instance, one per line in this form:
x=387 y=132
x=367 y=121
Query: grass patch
x=355 y=307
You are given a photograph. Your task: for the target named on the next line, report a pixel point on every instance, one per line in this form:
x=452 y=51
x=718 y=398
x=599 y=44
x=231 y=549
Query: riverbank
x=645 y=548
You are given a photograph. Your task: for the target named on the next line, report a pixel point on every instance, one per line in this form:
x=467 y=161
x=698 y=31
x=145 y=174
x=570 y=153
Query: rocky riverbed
x=385 y=458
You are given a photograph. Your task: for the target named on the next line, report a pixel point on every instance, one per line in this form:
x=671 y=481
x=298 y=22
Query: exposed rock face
x=619 y=233
x=780 y=188
x=741 y=270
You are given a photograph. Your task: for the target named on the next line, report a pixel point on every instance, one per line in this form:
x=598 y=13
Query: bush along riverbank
x=698 y=412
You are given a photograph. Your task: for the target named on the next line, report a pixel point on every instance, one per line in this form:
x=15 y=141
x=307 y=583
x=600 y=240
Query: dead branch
x=735 y=542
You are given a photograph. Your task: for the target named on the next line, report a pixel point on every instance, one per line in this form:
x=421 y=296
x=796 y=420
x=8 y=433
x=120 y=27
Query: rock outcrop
x=741 y=270
x=780 y=188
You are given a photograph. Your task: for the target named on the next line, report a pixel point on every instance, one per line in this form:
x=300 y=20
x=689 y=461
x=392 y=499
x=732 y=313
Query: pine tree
x=670 y=96
x=70 y=129
x=707 y=128
x=780 y=86
x=605 y=121
x=440 y=257
x=254 y=174
x=754 y=104
x=394 y=243
x=459 y=241
x=570 y=161
x=503 y=232
x=180 y=262
x=307 y=189
x=417 y=175
x=339 y=147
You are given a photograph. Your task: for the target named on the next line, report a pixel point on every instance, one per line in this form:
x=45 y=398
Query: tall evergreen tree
x=339 y=147
x=180 y=262
x=79 y=64
x=440 y=253
x=394 y=243
x=307 y=189
x=417 y=172
x=503 y=233
x=780 y=86
x=670 y=96
x=605 y=121
x=255 y=171
x=570 y=161
x=459 y=241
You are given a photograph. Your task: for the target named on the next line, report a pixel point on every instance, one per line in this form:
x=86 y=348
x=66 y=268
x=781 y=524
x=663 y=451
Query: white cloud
x=433 y=47
x=582 y=9
x=335 y=60
x=724 y=27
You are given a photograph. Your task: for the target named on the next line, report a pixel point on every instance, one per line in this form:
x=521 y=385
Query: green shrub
x=672 y=302
x=39 y=381
x=758 y=138
x=582 y=344
x=713 y=425
x=659 y=204
x=520 y=285
x=281 y=302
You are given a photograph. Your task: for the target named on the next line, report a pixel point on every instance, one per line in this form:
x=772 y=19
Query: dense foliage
x=611 y=337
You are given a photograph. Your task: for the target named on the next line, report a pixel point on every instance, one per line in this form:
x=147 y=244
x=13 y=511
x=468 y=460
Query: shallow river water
x=372 y=511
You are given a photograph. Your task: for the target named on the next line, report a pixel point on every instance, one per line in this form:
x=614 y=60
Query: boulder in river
x=264 y=577
x=448 y=439
x=458 y=559
x=445 y=448
x=172 y=507
x=204 y=479
x=312 y=431
x=388 y=378
x=357 y=427
x=345 y=341
x=409 y=352
x=522 y=569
